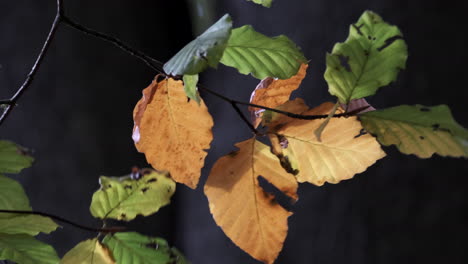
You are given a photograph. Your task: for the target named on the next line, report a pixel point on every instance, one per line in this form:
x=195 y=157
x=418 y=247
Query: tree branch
x=115 y=41
x=63 y=220
x=11 y=103
x=242 y=116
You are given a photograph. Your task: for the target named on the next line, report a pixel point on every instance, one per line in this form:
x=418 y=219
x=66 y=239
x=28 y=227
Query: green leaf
x=27 y=224
x=90 y=251
x=206 y=50
x=251 y=52
x=265 y=3
x=12 y=196
x=370 y=58
x=190 y=87
x=124 y=199
x=131 y=247
x=418 y=130
x=25 y=249
x=13 y=158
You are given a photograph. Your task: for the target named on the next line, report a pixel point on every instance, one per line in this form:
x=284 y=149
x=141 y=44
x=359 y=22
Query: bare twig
x=121 y=45
x=242 y=116
x=10 y=104
x=63 y=220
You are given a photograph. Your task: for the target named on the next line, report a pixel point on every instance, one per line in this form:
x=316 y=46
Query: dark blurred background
x=77 y=117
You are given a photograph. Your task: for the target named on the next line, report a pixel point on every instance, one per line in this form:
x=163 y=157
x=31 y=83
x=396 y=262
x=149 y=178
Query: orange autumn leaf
x=272 y=92
x=171 y=131
x=345 y=148
x=248 y=215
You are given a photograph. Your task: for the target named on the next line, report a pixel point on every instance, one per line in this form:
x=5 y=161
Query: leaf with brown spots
x=418 y=130
x=248 y=215
x=173 y=132
x=123 y=198
x=271 y=92
x=343 y=151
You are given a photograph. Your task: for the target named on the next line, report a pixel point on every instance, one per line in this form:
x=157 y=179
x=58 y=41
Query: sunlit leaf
x=418 y=130
x=174 y=133
x=370 y=58
x=265 y=3
x=272 y=92
x=88 y=252
x=125 y=199
x=251 y=52
x=130 y=247
x=206 y=50
x=190 y=87
x=13 y=158
x=248 y=215
x=27 y=224
x=344 y=151
x=12 y=196
x=25 y=249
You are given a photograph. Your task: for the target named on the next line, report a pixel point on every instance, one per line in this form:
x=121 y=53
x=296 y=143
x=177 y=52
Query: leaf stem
x=63 y=220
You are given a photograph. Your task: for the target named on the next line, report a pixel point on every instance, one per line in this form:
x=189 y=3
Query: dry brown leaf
x=273 y=119
x=172 y=131
x=273 y=92
x=344 y=151
x=247 y=214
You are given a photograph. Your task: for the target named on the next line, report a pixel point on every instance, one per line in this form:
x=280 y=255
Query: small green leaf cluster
x=124 y=198
x=119 y=198
x=242 y=48
x=17 y=231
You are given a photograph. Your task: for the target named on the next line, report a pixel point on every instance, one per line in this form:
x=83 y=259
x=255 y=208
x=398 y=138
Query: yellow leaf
x=272 y=92
x=345 y=148
x=172 y=131
x=248 y=215
x=88 y=252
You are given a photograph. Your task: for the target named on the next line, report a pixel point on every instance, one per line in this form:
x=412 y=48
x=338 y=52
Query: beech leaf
x=25 y=249
x=265 y=3
x=12 y=196
x=272 y=92
x=13 y=158
x=251 y=52
x=274 y=119
x=125 y=199
x=27 y=224
x=90 y=251
x=248 y=215
x=370 y=58
x=174 y=133
x=131 y=247
x=345 y=148
x=418 y=130
x=206 y=50
x=190 y=87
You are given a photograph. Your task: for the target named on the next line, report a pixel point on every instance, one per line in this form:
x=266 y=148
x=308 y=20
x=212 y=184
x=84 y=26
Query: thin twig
x=242 y=116
x=30 y=77
x=289 y=114
x=115 y=41
x=63 y=220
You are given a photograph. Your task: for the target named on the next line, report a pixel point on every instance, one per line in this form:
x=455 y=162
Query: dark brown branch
x=10 y=104
x=242 y=116
x=293 y=115
x=63 y=220
x=121 y=45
